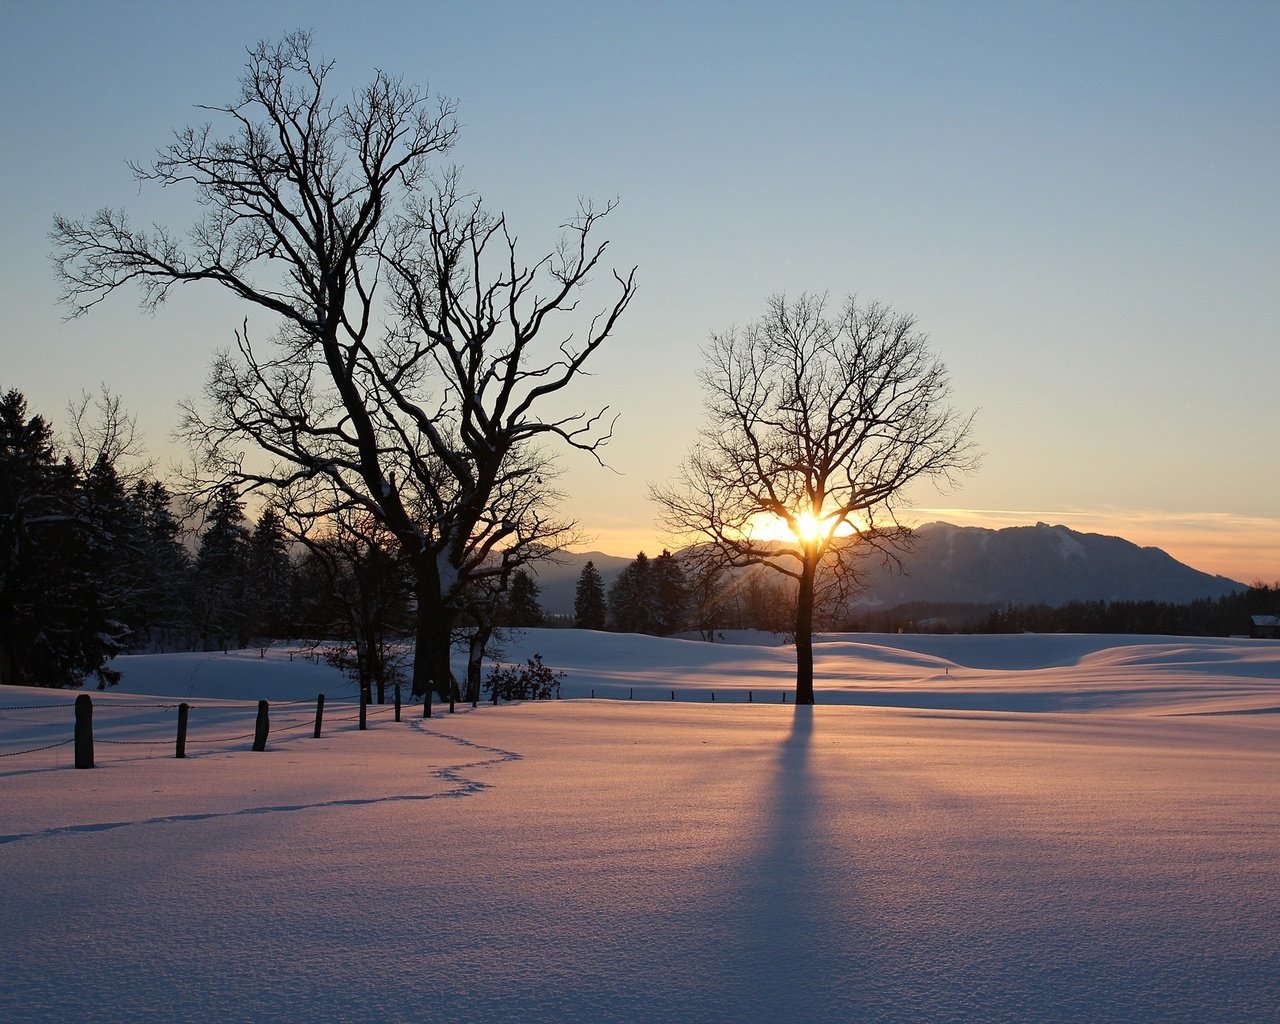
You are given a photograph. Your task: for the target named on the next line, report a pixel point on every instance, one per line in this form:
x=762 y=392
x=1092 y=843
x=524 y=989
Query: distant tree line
x=1221 y=616
x=89 y=556
x=1228 y=615
x=98 y=559
x=668 y=595
x=677 y=594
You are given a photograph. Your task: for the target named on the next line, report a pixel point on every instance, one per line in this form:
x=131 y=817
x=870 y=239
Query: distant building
x=1266 y=627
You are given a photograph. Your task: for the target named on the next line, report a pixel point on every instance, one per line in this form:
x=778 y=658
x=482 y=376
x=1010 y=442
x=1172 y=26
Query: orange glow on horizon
x=1242 y=547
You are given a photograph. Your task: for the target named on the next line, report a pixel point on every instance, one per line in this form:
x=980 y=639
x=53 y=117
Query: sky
x=1077 y=201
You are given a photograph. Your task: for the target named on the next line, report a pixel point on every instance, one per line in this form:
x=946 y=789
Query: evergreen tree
x=55 y=626
x=315 y=609
x=522 y=607
x=632 y=601
x=671 y=594
x=221 y=573
x=268 y=577
x=589 y=608
x=164 y=566
x=113 y=549
x=707 y=596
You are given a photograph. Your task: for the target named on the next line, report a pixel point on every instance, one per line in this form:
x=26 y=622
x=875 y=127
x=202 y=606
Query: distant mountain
x=1038 y=564
x=1022 y=565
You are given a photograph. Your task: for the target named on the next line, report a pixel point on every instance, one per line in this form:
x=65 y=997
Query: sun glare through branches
x=805 y=527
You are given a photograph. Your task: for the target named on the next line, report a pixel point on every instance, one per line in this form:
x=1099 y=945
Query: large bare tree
x=404 y=376
x=819 y=422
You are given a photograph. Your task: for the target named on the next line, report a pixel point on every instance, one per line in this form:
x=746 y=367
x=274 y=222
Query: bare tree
x=820 y=423
x=418 y=403
x=100 y=431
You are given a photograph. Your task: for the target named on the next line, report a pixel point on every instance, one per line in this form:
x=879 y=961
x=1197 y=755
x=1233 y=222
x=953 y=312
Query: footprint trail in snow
x=454 y=774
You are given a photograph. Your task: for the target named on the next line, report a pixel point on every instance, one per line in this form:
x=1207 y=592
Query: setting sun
x=807 y=528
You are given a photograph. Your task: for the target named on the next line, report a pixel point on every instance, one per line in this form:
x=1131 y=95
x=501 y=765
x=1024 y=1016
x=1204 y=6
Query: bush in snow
x=532 y=681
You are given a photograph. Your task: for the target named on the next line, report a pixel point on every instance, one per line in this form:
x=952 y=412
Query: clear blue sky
x=1078 y=201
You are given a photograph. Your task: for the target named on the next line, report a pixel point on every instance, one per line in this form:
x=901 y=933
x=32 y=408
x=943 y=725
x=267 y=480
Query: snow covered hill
x=1053 y=829
x=1024 y=672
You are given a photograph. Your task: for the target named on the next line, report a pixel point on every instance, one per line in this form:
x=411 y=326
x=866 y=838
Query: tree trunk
x=431 y=668
x=377 y=661
x=433 y=634
x=804 y=633
x=475 y=660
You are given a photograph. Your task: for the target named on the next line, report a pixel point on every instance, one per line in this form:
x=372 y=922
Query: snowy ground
x=1065 y=828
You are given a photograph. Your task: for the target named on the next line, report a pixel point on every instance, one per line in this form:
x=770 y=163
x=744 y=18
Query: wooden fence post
x=397 y=700
x=364 y=708
x=84 y=731
x=750 y=699
x=183 y=711
x=426 y=700
x=261 y=727
x=319 y=714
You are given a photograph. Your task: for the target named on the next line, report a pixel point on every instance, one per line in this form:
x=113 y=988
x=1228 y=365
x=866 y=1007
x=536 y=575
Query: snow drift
x=1028 y=828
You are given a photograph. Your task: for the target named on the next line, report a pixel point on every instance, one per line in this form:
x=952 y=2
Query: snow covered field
x=1021 y=828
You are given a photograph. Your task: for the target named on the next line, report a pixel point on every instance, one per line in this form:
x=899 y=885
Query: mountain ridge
x=1021 y=565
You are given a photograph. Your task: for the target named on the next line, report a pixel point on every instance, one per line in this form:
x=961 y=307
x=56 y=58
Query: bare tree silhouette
x=818 y=422
x=406 y=378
